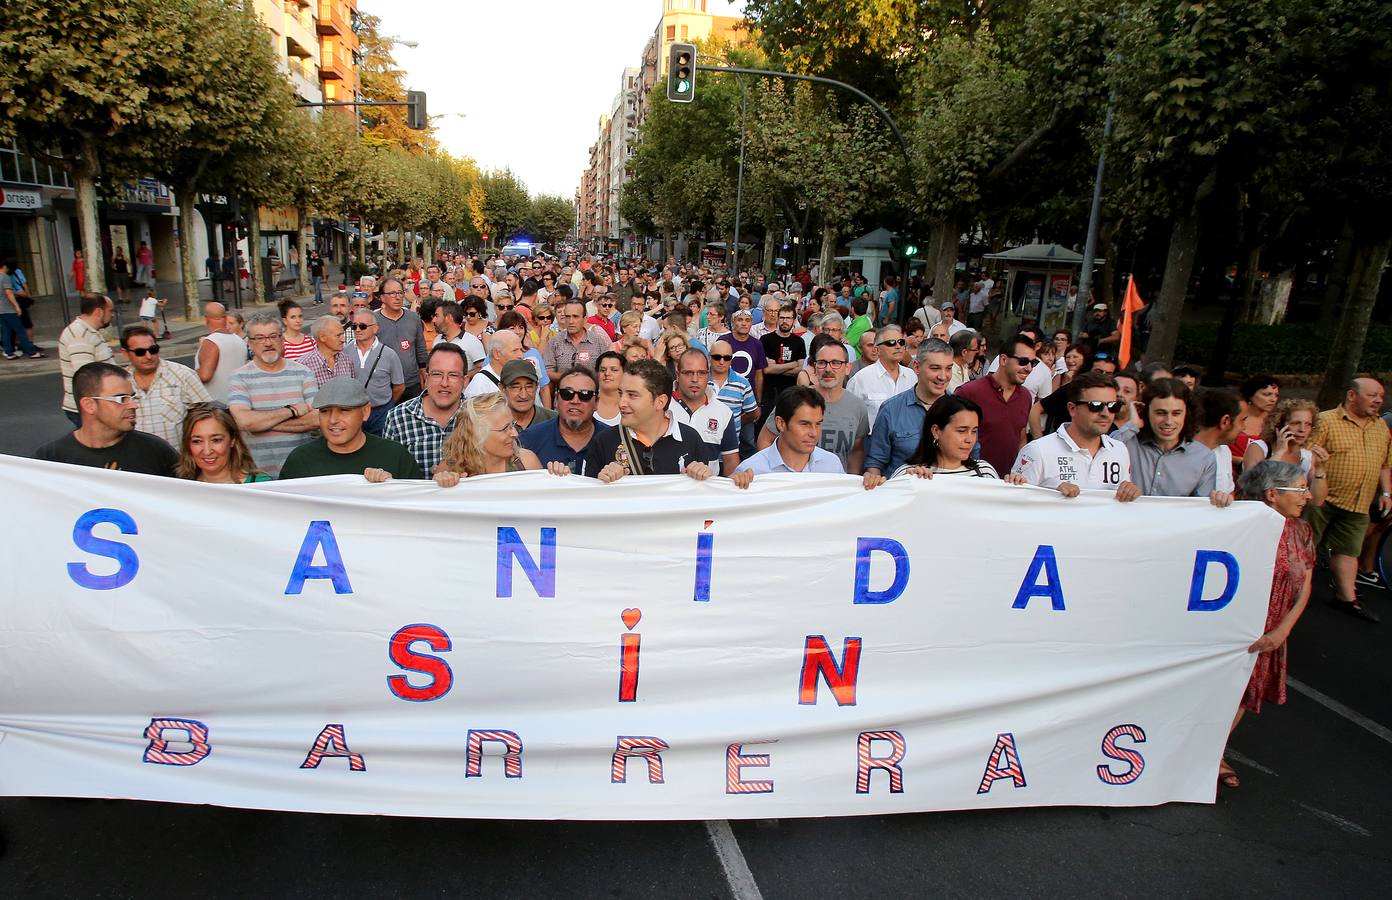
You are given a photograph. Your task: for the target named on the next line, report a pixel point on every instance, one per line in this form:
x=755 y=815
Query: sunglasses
x=1026 y=361
x=153 y=350
x=895 y=342
x=503 y=308
x=571 y=393
x=722 y=357
x=1097 y=406
x=542 y=318
x=363 y=326
x=472 y=315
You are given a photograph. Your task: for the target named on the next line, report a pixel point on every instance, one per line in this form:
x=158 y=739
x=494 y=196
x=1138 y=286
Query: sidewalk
x=183 y=338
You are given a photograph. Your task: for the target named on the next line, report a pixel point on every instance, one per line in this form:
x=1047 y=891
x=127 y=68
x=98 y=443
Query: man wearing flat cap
x=343 y=448
x=519 y=386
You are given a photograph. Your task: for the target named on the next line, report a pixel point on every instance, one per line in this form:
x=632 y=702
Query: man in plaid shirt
x=422 y=423
x=327 y=360
x=165 y=389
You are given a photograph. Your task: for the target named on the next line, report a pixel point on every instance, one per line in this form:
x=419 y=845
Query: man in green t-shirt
x=343 y=448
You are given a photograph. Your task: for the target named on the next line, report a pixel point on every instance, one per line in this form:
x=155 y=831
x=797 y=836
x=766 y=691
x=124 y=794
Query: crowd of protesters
x=598 y=368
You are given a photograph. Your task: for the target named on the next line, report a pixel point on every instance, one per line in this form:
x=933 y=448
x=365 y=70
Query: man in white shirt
x=449 y=326
x=695 y=404
x=1080 y=454
x=505 y=347
x=884 y=378
x=1220 y=419
x=949 y=318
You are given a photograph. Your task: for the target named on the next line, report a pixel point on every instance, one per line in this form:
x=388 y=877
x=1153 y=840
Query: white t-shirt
x=472 y=347
x=983 y=470
x=1225 y=480
x=482 y=384
x=1056 y=458
x=873 y=385
x=149 y=308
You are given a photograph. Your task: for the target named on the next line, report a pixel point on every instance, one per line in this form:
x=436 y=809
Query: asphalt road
x=1313 y=817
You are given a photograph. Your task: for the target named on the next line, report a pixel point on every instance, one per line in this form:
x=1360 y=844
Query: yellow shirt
x=1357 y=456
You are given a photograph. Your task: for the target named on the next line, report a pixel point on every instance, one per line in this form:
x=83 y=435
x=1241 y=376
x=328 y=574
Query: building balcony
x=336 y=62
x=334 y=18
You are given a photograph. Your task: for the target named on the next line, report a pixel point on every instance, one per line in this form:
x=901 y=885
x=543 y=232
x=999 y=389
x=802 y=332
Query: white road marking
x=1335 y=706
x=727 y=850
x=1250 y=763
x=1338 y=821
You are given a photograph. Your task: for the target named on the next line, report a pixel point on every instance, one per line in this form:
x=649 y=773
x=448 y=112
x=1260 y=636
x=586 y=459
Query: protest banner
x=527 y=646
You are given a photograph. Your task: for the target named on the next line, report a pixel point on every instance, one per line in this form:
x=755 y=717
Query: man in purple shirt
x=750 y=360
x=1005 y=405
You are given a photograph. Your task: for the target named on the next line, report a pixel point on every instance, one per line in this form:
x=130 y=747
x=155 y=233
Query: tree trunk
x=400 y=247
x=306 y=241
x=1169 y=308
x=1346 y=349
x=1233 y=312
x=1249 y=284
x=85 y=186
x=930 y=265
x=187 y=266
x=258 y=289
x=828 y=246
x=362 y=248
x=1275 y=297
x=947 y=238
x=1338 y=283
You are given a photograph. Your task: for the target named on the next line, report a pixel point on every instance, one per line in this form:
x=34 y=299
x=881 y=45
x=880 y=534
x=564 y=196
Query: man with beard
x=271 y=398
x=566 y=438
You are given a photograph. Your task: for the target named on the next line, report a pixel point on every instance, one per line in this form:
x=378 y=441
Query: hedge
x=1279 y=349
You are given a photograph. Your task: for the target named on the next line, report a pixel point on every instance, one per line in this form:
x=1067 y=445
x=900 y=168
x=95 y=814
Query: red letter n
x=817 y=659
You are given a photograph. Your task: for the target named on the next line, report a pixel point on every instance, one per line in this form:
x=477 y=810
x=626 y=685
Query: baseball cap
x=741 y=312
x=342 y=392
x=1101 y=306
x=514 y=369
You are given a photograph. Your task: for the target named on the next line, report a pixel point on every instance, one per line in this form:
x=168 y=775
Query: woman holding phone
x=1284 y=439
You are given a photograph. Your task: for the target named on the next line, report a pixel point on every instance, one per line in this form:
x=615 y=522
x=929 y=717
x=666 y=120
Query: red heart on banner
x=631 y=616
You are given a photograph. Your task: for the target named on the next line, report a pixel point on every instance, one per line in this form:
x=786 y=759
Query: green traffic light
x=683 y=87
x=910 y=249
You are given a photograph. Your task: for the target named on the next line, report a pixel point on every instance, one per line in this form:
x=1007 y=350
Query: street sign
x=19 y=199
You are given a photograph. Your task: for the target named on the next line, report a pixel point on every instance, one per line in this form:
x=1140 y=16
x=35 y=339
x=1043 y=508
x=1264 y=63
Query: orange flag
x=1130 y=306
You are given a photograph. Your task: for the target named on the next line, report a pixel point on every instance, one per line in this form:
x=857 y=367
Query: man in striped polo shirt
x=271 y=397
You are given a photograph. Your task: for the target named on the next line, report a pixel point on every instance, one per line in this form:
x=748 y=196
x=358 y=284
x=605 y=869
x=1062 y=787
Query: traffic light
x=415 y=111
x=902 y=247
x=681 y=73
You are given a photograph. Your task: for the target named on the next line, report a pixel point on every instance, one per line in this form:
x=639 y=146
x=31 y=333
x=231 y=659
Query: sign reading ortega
x=526 y=646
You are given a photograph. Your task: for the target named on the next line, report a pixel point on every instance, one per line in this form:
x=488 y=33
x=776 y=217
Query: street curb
x=181 y=332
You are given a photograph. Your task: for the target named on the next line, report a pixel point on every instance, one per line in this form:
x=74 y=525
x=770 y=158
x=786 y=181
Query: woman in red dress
x=1282 y=486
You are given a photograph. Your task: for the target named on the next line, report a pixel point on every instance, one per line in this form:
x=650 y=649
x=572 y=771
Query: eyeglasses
x=472 y=315
x=363 y=326
x=1097 y=406
x=828 y=363
x=141 y=351
x=722 y=357
x=444 y=376
x=702 y=372
x=1284 y=490
x=1026 y=361
x=504 y=308
x=571 y=393
x=1102 y=355
x=120 y=399
x=478 y=285
x=542 y=318
x=393 y=293
x=257 y=338
x=894 y=342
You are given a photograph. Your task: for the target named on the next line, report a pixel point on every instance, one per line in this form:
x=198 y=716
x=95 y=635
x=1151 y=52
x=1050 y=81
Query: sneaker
x=37 y=354
x=1371 y=579
x=12 y=356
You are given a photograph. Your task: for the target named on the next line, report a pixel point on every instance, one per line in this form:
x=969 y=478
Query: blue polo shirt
x=544 y=439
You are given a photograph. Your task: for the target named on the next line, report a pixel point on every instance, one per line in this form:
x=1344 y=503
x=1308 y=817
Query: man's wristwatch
x=293 y=414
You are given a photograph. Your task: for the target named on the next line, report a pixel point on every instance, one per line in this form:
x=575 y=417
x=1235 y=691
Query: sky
x=531 y=86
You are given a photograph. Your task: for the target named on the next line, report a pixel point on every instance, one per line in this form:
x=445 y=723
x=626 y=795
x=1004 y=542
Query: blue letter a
x=320 y=534
x=1044 y=562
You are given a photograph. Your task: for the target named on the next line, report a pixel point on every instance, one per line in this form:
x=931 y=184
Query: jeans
x=318 y=291
x=12 y=334
x=378 y=420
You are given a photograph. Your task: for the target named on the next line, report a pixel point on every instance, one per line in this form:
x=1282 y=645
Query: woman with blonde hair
x=484 y=442
x=212 y=449
x=1284 y=439
x=630 y=323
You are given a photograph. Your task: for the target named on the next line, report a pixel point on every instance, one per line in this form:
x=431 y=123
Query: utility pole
x=1094 y=221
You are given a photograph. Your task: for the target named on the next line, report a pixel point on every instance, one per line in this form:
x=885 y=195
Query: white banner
x=525 y=646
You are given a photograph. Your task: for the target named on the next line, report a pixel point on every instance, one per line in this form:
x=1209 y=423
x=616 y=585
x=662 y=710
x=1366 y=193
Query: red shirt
x=1002 y=421
x=603 y=322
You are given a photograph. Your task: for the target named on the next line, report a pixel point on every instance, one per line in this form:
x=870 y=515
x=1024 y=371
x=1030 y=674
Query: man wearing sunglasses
x=1081 y=454
x=566 y=437
x=164 y=389
x=1005 y=404
x=884 y=378
x=107 y=437
x=378 y=371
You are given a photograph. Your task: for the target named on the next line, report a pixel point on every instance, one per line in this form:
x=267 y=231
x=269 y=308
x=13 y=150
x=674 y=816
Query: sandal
x=1227 y=777
x=1355 y=609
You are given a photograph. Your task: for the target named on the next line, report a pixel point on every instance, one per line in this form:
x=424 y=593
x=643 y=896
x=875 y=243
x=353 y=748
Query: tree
x=498 y=205
x=382 y=82
x=551 y=218
x=83 y=80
